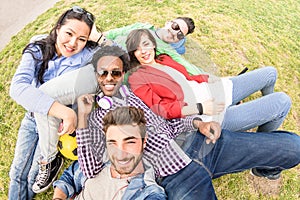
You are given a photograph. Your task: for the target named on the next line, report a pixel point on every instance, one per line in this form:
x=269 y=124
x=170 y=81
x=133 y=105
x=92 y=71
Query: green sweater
x=119 y=35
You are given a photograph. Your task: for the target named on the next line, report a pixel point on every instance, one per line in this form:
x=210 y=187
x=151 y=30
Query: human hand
x=95 y=34
x=58 y=194
x=85 y=104
x=69 y=122
x=211 y=107
x=212 y=130
x=67 y=115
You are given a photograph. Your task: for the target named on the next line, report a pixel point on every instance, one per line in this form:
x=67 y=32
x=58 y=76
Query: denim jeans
x=233 y=152
x=24 y=167
x=267 y=112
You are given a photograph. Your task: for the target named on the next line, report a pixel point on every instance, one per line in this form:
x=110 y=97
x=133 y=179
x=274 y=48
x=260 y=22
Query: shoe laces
x=43 y=173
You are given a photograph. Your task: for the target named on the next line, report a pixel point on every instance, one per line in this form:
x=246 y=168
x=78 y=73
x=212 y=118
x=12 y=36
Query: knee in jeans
x=272 y=74
x=284 y=100
x=15 y=174
x=294 y=149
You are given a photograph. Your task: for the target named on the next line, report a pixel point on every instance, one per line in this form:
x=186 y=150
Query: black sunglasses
x=114 y=73
x=80 y=10
x=176 y=27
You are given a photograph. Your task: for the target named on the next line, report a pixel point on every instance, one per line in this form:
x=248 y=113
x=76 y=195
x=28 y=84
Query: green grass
x=229 y=35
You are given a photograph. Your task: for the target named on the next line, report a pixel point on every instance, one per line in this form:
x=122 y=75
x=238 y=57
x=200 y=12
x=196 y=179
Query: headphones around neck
x=107 y=102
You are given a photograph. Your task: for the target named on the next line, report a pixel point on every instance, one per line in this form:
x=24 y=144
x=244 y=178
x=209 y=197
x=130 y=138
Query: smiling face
x=112 y=69
x=173 y=31
x=71 y=37
x=125 y=149
x=145 y=52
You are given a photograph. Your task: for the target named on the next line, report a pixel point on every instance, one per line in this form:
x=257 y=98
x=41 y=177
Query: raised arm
x=90 y=138
x=90 y=149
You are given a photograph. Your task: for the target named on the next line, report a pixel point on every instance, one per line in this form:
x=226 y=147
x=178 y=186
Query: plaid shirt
x=161 y=150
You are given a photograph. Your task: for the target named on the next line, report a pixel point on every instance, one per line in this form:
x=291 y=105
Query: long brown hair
x=133 y=41
x=47 y=45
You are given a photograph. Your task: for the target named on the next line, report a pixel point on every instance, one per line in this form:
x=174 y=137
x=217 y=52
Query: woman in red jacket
x=166 y=87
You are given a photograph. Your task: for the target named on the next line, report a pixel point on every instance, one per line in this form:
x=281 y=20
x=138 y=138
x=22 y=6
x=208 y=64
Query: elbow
x=12 y=91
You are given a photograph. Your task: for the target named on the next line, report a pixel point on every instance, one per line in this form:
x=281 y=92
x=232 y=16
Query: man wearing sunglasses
x=169 y=38
x=178 y=34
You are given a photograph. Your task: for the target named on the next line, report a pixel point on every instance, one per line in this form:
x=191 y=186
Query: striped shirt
x=161 y=150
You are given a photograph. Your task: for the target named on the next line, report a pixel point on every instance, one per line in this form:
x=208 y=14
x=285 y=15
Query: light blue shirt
x=24 y=86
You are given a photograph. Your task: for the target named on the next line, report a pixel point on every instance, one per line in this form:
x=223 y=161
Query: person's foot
x=47 y=174
x=266 y=173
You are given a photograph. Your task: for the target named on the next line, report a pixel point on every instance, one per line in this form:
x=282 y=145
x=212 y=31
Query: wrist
x=196 y=122
x=82 y=120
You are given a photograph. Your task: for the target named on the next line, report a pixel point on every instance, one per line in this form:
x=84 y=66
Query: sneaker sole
x=268 y=178
x=54 y=178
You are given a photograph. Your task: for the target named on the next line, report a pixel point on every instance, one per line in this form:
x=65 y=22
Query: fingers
x=85 y=104
x=87 y=98
x=205 y=129
x=210 y=107
x=94 y=33
x=214 y=132
x=68 y=124
x=65 y=129
x=211 y=137
x=219 y=108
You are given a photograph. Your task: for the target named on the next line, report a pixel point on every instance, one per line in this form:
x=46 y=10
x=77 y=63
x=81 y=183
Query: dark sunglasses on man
x=176 y=27
x=104 y=73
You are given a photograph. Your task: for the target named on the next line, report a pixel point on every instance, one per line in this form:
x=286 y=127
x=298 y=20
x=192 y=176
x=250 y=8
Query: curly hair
x=115 y=51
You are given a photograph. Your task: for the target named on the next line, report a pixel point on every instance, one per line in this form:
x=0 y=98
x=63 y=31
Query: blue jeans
x=24 y=167
x=267 y=112
x=233 y=152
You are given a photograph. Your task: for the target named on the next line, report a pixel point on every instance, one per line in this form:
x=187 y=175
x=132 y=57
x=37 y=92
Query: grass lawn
x=229 y=36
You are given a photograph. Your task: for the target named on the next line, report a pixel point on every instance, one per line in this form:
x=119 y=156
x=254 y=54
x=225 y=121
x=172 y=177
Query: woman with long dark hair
x=69 y=46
